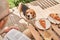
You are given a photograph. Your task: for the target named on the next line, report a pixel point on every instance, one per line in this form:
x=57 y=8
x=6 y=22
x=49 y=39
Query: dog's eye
x=30 y=13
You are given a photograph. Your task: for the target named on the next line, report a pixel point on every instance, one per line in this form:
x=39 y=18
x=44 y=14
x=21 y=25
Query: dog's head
x=27 y=12
x=30 y=14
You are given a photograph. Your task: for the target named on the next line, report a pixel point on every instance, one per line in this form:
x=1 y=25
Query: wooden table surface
x=54 y=30
x=45 y=10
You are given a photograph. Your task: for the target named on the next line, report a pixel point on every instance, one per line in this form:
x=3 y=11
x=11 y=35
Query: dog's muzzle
x=28 y=17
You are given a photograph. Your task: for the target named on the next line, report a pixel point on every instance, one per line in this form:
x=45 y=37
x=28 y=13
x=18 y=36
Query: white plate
x=40 y=27
x=53 y=20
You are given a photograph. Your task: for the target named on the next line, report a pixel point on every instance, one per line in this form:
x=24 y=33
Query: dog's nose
x=28 y=15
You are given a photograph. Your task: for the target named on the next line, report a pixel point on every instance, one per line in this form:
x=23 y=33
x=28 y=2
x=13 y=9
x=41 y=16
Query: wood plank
x=53 y=35
x=47 y=3
x=56 y=29
x=35 y=34
x=34 y=3
x=41 y=4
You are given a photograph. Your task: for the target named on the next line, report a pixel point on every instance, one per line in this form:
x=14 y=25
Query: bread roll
x=42 y=24
x=54 y=18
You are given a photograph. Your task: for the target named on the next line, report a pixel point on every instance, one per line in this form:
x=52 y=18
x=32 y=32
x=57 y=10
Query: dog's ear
x=34 y=14
x=20 y=7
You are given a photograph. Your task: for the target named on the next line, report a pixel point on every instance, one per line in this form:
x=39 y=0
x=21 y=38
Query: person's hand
x=7 y=29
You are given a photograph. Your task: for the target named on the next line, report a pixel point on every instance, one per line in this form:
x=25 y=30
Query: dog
x=27 y=12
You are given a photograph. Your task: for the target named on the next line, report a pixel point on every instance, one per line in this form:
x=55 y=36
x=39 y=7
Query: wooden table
x=45 y=10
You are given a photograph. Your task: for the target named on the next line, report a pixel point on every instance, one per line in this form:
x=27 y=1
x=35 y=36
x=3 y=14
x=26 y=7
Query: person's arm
x=7 y=29
x=2 y=22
